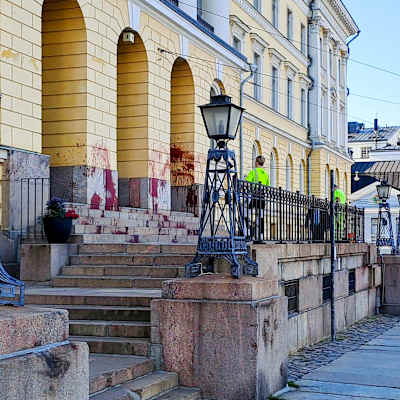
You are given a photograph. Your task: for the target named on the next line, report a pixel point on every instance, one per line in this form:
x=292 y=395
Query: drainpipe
x=353 y=38
x=253 y=69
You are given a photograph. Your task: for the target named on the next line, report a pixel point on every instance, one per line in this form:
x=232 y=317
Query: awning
x=388 y=171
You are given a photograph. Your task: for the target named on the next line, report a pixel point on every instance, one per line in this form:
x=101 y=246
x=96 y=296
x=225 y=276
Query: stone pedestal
x=225 y=336
x=42 y=262
x=36 y=359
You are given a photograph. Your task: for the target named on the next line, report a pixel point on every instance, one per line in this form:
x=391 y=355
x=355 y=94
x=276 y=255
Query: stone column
x=315 y=72
x=226 y=336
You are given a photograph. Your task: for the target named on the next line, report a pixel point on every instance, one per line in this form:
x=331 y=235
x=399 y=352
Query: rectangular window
x=274 y=87
x=303 y=39
x=257 y=77
x=292 y=293
x=237 y=44
x=326 y=288
x=257 y=4
x=339 y=77
x=275 y=14
x=199 y=8
x=352 y=281
x=374 y=229
x=303 y=108
x=365 y=152
x=289 y=95
x=330 y=61
x=289 y=25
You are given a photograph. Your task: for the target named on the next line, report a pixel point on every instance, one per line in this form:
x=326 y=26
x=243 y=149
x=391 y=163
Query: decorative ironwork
x=384 y=237
x=8 y=286
x=222 y=229
x=276 y=215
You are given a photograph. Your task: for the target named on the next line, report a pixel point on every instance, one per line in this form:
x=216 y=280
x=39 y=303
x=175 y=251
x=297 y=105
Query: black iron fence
x=277 y=215
x=23 y=203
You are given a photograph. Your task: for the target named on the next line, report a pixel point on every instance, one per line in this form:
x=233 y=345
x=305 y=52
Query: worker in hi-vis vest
x=339 y=197
x=257 y=204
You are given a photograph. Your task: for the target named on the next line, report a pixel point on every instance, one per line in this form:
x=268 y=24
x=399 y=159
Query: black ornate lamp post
x=222 y=233
x=384 y=237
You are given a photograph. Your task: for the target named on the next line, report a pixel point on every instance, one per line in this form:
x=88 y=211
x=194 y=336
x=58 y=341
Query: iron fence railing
x=277 y=215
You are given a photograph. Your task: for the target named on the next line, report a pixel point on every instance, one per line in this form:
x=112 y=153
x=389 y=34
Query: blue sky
x=378 y=44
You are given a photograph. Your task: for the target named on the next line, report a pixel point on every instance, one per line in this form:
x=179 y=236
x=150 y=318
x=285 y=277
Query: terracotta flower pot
x=57 y=230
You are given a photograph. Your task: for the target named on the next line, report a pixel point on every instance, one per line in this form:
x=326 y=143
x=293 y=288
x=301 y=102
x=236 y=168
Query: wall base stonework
x=50 y=367
x=88 y=185
x=42 y=262
x=148 y=193
x=226 y=336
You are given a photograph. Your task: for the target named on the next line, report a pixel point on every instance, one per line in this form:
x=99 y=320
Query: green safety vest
x=258 y=175
x=339 y=194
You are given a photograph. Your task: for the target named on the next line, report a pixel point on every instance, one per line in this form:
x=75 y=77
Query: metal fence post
x=333 y=256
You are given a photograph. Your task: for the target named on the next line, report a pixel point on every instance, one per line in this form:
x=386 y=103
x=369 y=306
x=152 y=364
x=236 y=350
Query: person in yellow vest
x=257 y=205
x=258 y=174
x=339 y=197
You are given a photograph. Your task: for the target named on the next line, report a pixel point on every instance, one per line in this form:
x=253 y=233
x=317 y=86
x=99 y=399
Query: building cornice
x=178 y=21
x=235 y=20
x=344 y=16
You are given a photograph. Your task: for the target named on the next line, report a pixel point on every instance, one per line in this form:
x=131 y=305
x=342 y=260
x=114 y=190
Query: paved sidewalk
x=370 y=372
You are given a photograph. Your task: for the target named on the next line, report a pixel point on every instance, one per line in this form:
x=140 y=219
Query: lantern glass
x=216 y=120
x=221 y=118
x=383 y=191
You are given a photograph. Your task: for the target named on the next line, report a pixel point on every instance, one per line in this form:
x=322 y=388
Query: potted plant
x=57 y=222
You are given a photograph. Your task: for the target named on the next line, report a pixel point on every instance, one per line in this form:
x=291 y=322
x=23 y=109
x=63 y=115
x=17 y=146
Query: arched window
x=345 y=184
x=272 y=169
x=301 y=178
x=289 y=174
x=337 y=177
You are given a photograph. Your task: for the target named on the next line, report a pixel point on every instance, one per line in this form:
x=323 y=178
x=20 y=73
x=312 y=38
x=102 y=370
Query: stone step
x=154 y=386
x=90 y=296
x=132 y=329
x=115 y=345
x=131 y=230
x=190 y=238
x=129 y=259
x=104 y=313
x=126 y=270
x=108 y=370
x=107 y=282
x=181 y=393
x=137 y=248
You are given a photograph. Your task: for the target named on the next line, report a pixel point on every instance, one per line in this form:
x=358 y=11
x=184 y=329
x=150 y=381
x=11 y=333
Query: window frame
x=352 y=281
x=275 y=14
x=365 y=152
x=275 y=88
x=289 y=97
x=257 y=80
x=303 y=107
x=326 y=288
x=303 y=39
x=289 y=24
x=293 y=298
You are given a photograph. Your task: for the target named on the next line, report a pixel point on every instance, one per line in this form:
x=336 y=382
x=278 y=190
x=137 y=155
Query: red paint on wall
x=95 y=202
x=182 y=166
x=111 y=193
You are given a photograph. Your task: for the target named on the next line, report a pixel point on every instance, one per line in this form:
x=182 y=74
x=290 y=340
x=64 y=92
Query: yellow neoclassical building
x=106 y=92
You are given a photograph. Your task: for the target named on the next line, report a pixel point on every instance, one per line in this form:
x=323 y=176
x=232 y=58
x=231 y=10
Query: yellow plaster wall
x=64 y=83
x=133 y=116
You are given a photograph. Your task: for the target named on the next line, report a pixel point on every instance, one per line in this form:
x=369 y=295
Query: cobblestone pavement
x=323 y=353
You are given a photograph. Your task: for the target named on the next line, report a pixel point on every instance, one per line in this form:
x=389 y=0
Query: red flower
x=71 y=214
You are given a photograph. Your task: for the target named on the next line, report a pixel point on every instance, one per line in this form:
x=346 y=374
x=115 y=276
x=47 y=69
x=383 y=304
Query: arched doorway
x=182 y=126
x=132 y=114
x=64 y=93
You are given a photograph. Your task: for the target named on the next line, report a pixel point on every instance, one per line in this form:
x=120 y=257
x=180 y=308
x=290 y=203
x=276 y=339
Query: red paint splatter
x=111 y=193
x=95 y=202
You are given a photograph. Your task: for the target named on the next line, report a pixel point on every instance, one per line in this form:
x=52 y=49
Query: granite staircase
x=132 y=225
x=107 y=290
